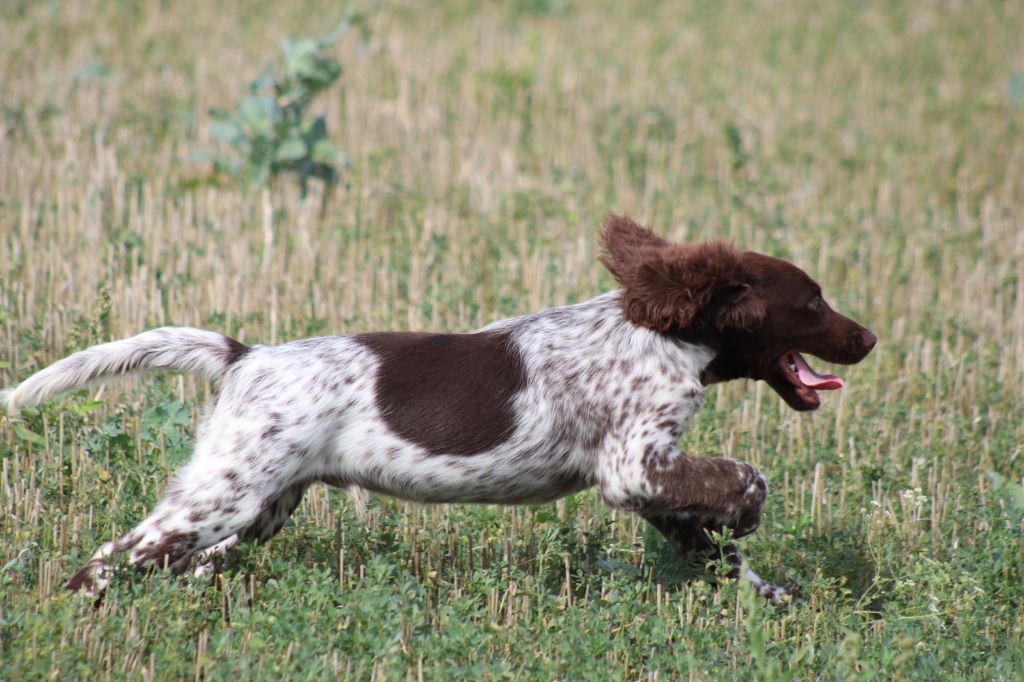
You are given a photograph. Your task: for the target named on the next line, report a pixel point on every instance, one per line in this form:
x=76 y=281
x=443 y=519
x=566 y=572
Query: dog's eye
x=816 y=305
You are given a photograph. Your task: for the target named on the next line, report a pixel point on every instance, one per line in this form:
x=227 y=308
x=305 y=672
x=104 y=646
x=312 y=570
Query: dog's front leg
x=686 y=498
x=691 y=535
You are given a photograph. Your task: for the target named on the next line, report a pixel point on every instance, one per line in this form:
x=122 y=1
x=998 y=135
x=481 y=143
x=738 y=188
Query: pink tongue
x=811 y=379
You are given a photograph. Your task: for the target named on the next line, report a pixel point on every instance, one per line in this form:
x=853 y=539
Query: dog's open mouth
x=804 y=382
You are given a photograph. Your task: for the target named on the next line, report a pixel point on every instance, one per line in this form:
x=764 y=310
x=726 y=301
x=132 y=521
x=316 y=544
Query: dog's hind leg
x=216 y=496
x=269 y=522
x=275 y=514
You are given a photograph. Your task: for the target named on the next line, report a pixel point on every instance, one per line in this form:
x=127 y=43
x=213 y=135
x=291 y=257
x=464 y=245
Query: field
x=879 y=145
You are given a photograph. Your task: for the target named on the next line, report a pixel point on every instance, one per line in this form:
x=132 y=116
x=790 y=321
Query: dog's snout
x=854 y=345
x=868 y=340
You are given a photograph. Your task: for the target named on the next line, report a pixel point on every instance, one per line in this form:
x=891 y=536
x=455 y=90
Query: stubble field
x=878 y=145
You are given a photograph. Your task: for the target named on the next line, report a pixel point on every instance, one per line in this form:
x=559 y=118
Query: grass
x=877 y=144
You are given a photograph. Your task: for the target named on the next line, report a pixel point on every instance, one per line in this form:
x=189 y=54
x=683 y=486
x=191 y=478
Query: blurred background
x=442 y=165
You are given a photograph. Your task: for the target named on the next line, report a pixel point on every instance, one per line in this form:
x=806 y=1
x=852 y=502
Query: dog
x=525 y=410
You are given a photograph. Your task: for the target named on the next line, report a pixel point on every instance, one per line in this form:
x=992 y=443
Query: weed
x=271 y=131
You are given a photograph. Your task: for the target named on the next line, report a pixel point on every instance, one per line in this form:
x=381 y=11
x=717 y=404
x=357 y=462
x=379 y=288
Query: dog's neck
x=601 y=325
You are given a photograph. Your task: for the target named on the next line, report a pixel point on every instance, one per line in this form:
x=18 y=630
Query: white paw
x=773 y=593
x=207 y=565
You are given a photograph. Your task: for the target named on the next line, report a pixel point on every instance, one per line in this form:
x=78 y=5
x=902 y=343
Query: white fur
x=183 y=349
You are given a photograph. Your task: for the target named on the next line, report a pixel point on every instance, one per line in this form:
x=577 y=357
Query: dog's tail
x=182 y=349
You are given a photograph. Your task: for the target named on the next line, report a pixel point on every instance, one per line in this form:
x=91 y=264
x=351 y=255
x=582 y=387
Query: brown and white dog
x=525 y=410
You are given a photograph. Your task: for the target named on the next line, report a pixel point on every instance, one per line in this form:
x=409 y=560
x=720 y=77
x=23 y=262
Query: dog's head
x=758 y=313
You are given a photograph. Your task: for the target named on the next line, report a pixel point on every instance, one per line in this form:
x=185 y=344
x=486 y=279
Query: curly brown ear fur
x=670 y=285
x=740 y=308
x=626 y=244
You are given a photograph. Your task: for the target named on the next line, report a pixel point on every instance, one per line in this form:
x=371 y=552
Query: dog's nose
x=868 y=340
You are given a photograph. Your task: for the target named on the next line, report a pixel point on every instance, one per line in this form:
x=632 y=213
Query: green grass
x=877 y=144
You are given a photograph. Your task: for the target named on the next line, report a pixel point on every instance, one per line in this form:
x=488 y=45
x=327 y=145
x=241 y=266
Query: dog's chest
x=665 y=386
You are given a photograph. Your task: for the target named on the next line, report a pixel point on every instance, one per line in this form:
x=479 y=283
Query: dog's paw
x=211 y=558
x=773 y=593
x=90 y=580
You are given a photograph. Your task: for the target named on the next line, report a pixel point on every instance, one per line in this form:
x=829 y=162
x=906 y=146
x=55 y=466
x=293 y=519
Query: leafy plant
x=1012 y=493
x=270 y=130
x=167 y=426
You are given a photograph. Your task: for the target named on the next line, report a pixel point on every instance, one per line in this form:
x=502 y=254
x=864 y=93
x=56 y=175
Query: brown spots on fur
x=448 y=393
x=171 y=548
x=235 y=351
x=708 y=486
x=593 y=438
x=638 y=382
x=127 y=542
x=708 y=495
x=84 y=579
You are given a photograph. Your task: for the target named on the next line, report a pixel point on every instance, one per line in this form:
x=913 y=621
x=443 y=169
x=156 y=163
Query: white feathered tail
x=182 y=349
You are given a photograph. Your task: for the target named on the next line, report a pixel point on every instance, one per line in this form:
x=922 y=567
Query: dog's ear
x=738 y=307
x=674 y=286
x=627 y=246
